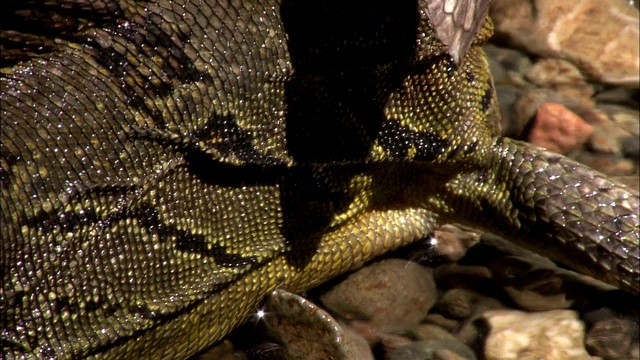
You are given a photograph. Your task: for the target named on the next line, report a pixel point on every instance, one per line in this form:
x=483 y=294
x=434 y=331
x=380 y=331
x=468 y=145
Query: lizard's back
x=166 y=164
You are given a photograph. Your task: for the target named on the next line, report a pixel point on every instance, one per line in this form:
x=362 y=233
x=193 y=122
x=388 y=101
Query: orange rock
x=558 y=129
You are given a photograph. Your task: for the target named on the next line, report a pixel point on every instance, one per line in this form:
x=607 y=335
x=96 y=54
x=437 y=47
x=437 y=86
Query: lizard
x=164 y=165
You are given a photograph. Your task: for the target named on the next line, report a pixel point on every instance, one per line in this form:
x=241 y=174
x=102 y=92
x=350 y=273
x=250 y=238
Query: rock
x=454 y=275
x=430 y=332
x=366 y=330
x=471 y=330
x=562 y=76
x=607 y=138
x=618 y=97
x=374 y=336
x=441 y=321
x=458 y=303
x=590 y=113
x=426 y=349
x=558 y=129
x=446 y=354
x=611 y=165
x=529 y=100
x=554 y=72
x=451 y=243
x=556 y=334
x=221 y=351
x=535 y=301
x=635 y=351
x=532 y=285
x=513 y=124
x=507 y=65
x=467 y=305
x=524 y=110
x=628 y=119
x=612 y=339
x=600 y=37
x=602 y=313
x=354 y=347
x=392 y=294
x=305 y=331
x=448 y=243
x=391 y=342
x=494 y=249
x=630 y=147
x=621 y=133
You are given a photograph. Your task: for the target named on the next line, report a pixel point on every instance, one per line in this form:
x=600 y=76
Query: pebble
x=534 y=301
x=531 y=285
x=222 y=351
x=607 y=138
x=452 y=243
x=426 y=349
x=391 y=342
x=555 y=72
x=446 y=354
x=459 y=303
x=441 y=321
x=561 y=76
x=306 y=331
x=618 y=97
x=613 y=339
x=513 y=125
x=558 y=129
x=431 y=332
x=591 y=113
x=627 y=118
x=528 y=102
x=392 y=294
x=471 y=330
x=524 y=110
x=507 y=65
x=515 y=335
x=630 y=147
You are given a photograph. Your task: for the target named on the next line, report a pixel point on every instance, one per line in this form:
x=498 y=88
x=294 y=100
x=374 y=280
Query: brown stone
x=558 y=129
x=556 y=334
x=554 y=72
x=392 y=294
x=612 y=339
x=306 y=331
x=452 y=243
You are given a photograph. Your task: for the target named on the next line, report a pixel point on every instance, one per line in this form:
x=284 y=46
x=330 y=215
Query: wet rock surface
x=306 y=331
x=556 y=334
x=433 y=349
x=496 y=302
x=613 y=338
x=600 y=37
x=462 y=294
x=403 y=291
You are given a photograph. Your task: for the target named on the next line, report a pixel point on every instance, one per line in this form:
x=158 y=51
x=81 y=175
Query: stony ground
x=566 y=74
